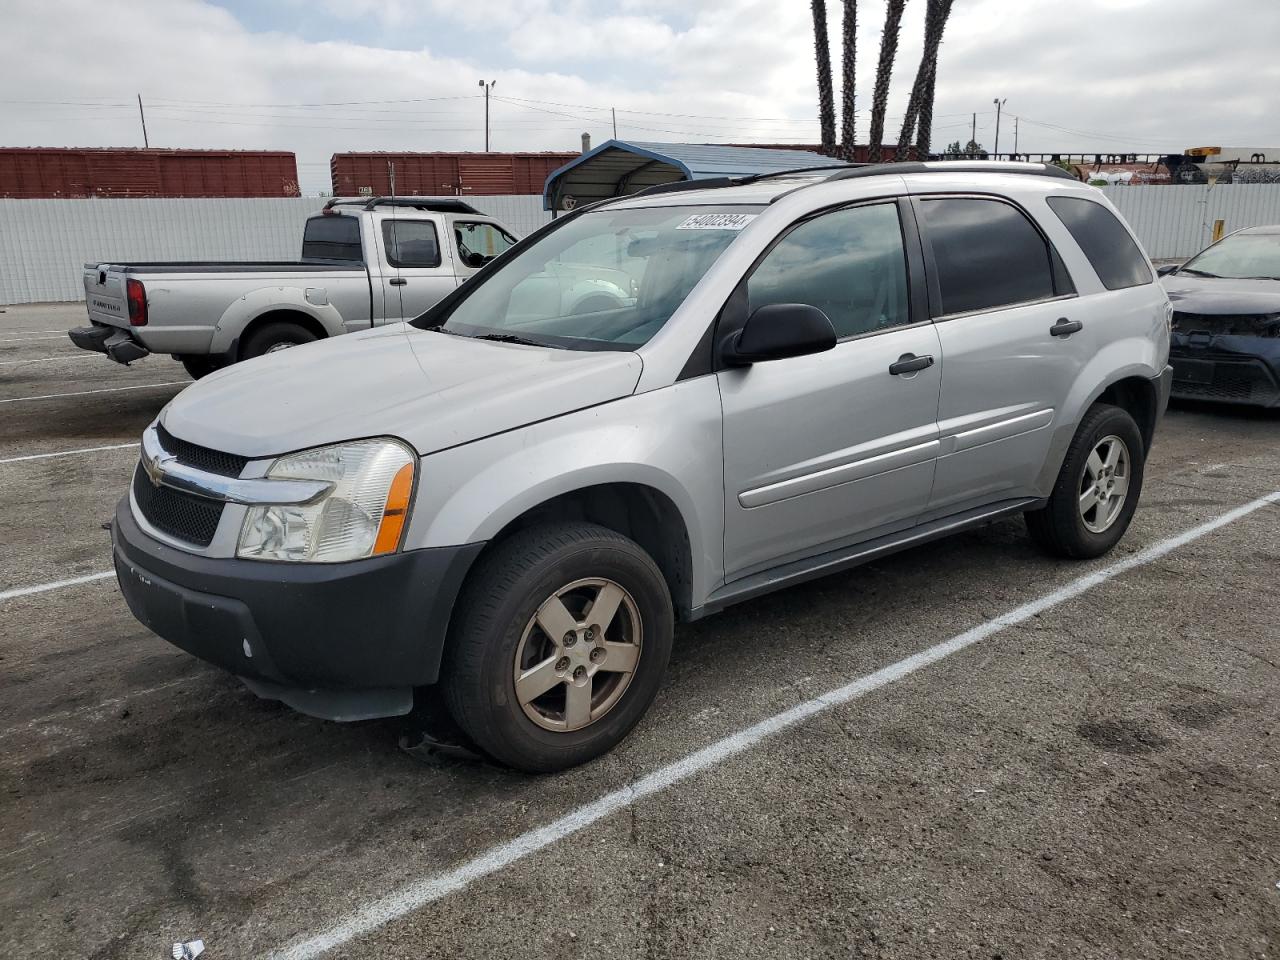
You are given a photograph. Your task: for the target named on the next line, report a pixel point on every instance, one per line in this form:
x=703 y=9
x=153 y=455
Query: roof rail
x=437 y=204
x=955 y=166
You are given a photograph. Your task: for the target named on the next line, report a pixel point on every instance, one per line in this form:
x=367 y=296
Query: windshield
x=608 y=280
x=1244 y=256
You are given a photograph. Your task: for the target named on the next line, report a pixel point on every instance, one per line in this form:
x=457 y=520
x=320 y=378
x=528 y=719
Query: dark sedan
x=1226 y=320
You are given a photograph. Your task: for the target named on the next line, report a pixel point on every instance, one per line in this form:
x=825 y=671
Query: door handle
x=397 y=281
x=1065 y=327
x=910 y=363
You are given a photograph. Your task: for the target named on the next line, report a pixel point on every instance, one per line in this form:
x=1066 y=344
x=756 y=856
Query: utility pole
x=999 y=106
x=1015 y=136
x=973 y=133
x=487 y=87
x=143 y=117
x=614 y=111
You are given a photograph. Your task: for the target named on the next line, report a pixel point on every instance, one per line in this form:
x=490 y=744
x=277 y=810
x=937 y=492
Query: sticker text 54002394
x=717 y=221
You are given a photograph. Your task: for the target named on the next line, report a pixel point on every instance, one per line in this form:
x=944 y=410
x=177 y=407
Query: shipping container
x=59 y=172
x=442 y=174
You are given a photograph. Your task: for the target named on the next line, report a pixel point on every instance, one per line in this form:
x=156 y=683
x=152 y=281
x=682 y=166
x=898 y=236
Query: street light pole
x=999 y=106
x=487 y=87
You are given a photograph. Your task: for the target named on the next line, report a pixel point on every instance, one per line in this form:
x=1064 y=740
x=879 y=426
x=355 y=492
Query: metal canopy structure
x=618 y=168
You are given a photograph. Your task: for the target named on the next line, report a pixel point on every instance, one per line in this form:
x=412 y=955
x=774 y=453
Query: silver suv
x=505 y=505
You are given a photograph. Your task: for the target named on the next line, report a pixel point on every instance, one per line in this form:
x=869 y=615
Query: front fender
x=237 y=317
x=668 y=440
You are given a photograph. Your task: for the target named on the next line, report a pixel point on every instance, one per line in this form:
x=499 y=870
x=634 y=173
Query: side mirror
x=777 y=331
x=1167 y=269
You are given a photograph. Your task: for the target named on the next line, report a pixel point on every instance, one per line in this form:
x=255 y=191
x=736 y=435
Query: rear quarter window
x=1110 y=249
x=332 y=237
x=988 y=255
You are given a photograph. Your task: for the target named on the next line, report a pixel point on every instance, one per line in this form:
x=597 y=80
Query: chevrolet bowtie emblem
x=155 y=467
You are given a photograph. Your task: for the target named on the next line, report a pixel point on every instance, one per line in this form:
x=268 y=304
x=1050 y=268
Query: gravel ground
x=1098 y=781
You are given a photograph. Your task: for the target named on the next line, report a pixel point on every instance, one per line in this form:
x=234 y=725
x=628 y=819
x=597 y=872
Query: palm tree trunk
x=848 y=81
x=826 y=100
x=935 y=21
x=884 y=72
x=924 y=132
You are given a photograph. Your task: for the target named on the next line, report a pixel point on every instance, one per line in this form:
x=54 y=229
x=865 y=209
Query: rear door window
x=1108 y=245
x=411 y=243
x=987 y=254
x=332 y=237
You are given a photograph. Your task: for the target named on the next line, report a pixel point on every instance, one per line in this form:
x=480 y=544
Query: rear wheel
x=274 y=337
x=198 y=366
x=1097 y=489
x=559 y=645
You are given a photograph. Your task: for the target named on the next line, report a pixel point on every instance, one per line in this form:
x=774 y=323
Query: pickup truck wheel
x=559 y=644
x=274 y=337
x=198 y=366
x=1097 y=489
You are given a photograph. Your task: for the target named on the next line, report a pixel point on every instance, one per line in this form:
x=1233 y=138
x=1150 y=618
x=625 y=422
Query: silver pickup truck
x=365 y=262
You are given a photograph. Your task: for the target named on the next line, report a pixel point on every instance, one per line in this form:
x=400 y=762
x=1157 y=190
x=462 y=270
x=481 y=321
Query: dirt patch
x=1122 y=736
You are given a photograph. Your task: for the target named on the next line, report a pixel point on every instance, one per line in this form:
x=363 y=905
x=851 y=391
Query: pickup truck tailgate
x=104 y=294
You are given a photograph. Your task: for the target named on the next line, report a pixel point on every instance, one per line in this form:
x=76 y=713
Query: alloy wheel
x=578 y=654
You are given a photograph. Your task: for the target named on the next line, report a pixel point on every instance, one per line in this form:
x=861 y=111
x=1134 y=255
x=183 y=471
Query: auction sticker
x=717 y=221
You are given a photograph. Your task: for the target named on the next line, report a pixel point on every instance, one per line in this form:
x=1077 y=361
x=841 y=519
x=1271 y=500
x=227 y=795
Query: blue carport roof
x=620 y=167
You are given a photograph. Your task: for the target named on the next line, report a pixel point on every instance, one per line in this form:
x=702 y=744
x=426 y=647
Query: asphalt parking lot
x=1096 y=776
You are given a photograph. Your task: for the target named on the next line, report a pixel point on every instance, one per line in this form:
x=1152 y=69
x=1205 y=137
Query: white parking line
x=85 y=393
x=29 y=339
x=68 y=453
x=11 y=363
x=382 y=911
x=14 y=592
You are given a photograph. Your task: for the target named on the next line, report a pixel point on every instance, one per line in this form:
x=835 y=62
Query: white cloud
x=1104 y=74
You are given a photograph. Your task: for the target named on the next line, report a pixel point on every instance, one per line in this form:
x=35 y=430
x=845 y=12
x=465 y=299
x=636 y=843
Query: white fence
x=1176 y=221
x=44 y=242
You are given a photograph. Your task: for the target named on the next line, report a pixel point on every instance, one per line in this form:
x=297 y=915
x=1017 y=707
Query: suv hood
x=431 y=389
x=1213 y=295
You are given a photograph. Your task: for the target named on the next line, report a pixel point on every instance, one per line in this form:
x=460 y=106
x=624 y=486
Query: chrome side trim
x=842 y=473
x=1003 y=429
x=163 y=469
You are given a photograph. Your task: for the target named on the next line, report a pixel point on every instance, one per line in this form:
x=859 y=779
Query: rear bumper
x=343 y=641
x=116 y=343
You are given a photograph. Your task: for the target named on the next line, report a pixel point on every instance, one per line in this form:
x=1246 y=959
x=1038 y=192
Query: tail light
x=137 y=297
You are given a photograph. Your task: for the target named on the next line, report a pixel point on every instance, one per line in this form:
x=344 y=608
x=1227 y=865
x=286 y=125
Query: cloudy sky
x=318 y=76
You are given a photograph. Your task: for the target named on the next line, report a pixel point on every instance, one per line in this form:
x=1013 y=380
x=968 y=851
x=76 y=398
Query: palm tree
x=924 y=130
x=826 y=100
x=922 y=91
x=850 y=54
x=884 y=71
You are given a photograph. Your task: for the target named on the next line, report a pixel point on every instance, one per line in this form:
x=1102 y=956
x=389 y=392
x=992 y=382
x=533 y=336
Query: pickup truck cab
x=507 y=510
x=365 y=262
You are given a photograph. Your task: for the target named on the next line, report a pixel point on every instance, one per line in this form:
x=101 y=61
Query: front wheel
x=559 y=645
x=1097 y=489
x=199 y=366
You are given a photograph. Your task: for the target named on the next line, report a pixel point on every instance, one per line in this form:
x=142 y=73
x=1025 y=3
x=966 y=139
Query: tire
x=1062 y=527
x=275 y=336
x=500 y=615
x=198 y=366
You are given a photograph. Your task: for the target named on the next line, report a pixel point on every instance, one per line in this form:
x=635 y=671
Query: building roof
x=620 y=167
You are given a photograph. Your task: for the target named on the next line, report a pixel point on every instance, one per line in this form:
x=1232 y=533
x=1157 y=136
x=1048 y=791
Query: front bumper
x=1226 y=369
x=117 y=344
x=343 y=641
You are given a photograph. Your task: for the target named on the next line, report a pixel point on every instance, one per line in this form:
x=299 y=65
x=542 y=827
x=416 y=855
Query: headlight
x=362 y=516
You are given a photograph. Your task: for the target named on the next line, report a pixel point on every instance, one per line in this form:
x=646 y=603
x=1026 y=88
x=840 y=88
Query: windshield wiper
x=509 y=338
x=1200 y=273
